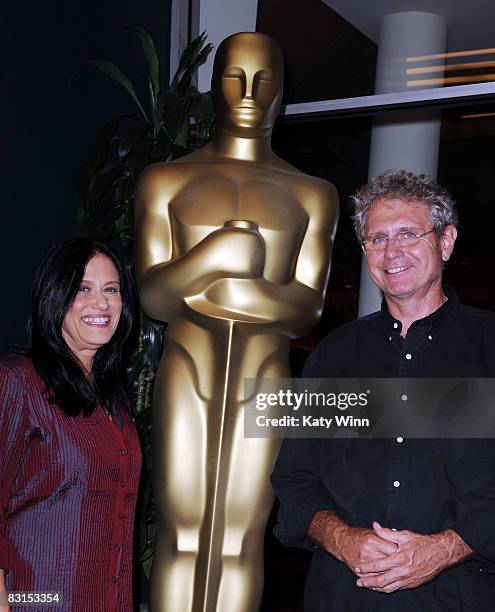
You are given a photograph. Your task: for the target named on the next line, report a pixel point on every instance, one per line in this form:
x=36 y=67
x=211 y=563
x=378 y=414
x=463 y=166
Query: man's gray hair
x=408 y=187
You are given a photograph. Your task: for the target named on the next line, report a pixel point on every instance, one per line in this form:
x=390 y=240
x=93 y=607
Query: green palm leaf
x=151 y=55
x=194 y=56
x=114 y=73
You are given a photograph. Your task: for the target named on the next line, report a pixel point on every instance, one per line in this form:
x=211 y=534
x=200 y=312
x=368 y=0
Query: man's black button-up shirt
x=422 y=485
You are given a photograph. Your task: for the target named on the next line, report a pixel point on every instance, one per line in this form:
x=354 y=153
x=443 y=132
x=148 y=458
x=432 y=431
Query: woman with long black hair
x=69 y=452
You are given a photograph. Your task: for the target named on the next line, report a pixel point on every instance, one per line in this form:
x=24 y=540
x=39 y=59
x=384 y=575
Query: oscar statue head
x=247 y=82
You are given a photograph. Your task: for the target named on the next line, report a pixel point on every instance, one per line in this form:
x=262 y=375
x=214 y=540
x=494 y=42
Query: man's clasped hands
x=387 y=560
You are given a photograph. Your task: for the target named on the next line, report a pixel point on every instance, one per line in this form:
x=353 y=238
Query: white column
x=219 y=19
x=408 y=140
x=179 y=32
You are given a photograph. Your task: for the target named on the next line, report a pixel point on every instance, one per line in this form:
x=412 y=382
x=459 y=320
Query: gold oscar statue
x=233 y=250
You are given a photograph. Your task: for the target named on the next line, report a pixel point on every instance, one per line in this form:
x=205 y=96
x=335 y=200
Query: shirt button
x=396 y=325
x=403 y=397
x=390 y=338
x=394 y=529
x=408 y=356
x=121 y=517
x=122 y=483
x=396 y=483
x=400 y=439
x=123 y=451
x=114 y=579
x=430 y=337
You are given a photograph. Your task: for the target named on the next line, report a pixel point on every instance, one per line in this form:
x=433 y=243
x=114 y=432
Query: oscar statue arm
x=292 y=308
x=166 y=276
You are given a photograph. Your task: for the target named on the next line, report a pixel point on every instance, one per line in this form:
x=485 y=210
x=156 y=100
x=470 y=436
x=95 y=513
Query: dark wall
x=325 y=56
x=47 y=127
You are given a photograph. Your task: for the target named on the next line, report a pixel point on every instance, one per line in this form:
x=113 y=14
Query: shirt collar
x=432 y=324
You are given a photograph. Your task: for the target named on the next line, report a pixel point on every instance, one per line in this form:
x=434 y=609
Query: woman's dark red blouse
x=68 y=492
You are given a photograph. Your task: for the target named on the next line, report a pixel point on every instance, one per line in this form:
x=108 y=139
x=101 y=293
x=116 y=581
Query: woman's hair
x=408 y=187
x=56 y=284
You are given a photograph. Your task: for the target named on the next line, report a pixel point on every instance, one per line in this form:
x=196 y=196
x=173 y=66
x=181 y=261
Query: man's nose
x=393 y=248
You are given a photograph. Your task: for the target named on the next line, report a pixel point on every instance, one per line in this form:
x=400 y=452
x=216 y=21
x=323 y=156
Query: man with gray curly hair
x=398 y=524
x=408 y=187
x=424 y=221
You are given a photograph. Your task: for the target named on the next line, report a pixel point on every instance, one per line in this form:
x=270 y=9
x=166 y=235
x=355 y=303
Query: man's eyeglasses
x=407 y=238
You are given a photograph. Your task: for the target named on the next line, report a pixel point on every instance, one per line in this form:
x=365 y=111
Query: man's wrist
x=454 y=547
x=328 y=531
